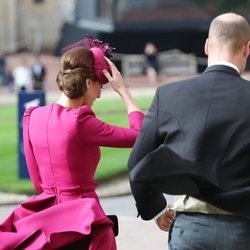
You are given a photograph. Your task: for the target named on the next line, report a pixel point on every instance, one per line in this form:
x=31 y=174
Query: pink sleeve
x=100 y=133
x=29 y=156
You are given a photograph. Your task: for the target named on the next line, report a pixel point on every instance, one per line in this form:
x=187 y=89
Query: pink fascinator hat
x=99 y=50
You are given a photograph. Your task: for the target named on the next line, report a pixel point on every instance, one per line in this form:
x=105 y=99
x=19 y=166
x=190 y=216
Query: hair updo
x=77 y=66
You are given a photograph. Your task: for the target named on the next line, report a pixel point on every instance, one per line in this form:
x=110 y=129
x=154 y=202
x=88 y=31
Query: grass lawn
x=113 y=161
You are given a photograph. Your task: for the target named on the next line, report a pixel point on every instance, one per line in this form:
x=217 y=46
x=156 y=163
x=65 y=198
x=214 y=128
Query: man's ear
x=206 y=46
x=246 y=49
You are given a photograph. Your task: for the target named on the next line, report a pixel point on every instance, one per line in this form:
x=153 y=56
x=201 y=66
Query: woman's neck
x=70 y=103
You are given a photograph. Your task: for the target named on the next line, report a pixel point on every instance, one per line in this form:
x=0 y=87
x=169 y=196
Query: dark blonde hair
x=77 y=66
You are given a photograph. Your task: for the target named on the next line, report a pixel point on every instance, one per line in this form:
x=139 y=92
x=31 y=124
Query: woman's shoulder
x=29 y=110
x=79 y=113
x=38 y=110
x=84 y=110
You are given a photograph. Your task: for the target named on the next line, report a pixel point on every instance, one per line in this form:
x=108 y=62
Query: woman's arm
x=100 y=133
x=29 y=156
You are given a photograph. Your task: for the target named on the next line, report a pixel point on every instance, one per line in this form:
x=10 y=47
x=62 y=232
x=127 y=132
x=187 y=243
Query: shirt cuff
x=161 y=213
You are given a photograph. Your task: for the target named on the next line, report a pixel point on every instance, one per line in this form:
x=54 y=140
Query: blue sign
x=26 y=100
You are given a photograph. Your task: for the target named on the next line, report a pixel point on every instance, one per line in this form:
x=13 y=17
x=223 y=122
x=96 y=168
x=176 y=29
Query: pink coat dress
x=62 y=153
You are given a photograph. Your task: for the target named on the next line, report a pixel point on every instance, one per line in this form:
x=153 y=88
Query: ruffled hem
x=55 y=226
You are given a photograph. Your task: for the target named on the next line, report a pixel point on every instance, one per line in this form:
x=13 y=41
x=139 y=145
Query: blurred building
x=32 y=25
x=127 y=24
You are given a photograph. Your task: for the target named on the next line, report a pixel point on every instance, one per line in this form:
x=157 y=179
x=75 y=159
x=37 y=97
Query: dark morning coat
x=195 y=140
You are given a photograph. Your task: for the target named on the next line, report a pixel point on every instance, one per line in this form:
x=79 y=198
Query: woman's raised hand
x=115 y=78
x=118 y=84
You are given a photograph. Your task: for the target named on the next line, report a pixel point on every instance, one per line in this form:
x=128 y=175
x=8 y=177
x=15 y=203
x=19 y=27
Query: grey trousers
x=196 y=231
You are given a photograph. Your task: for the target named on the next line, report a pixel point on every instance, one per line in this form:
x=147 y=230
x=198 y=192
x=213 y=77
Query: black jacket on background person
x=195 y=140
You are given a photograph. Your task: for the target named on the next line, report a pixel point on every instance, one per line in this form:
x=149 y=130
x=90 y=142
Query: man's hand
x=165 y=220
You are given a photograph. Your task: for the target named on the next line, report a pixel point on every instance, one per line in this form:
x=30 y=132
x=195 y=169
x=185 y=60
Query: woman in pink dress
x=61 y=142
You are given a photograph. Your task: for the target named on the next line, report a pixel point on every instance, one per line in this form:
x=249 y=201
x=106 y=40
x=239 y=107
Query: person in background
x=22 y=76
x=38 y=71
x=8 y=80
x=195 y=144
x=151 y=63
x=62 y=148
x=2 y=68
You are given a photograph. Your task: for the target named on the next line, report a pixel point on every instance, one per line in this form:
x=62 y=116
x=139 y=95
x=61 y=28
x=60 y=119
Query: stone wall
x=29 y=24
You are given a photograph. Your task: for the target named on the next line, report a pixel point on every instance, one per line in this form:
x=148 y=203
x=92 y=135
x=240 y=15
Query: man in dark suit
x=195 y=144
x=38 y=72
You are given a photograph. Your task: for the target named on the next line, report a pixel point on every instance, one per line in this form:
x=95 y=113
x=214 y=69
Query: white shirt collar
x=226 y=64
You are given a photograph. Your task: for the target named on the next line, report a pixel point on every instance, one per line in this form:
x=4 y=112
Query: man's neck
x=226 y=63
